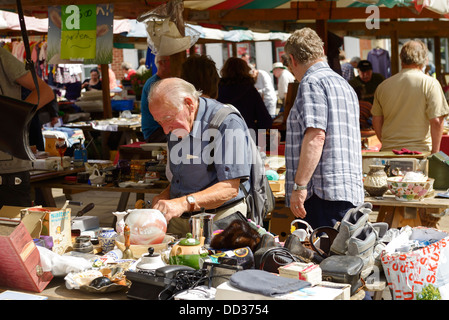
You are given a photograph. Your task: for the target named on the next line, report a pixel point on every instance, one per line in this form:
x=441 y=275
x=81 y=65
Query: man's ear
x=190 y=104
x=292 y=60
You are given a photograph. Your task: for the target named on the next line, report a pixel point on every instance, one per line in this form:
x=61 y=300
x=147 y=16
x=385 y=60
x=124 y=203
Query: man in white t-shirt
x=264 y=84
x=284 y=78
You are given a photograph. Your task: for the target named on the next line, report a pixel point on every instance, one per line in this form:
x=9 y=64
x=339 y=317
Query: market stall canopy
x=10 y=21
x=131 y=28
x=267 y=15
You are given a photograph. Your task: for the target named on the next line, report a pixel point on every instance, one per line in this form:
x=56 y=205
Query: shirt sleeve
x=314 y=106
x=436 y=101
x=234 y=161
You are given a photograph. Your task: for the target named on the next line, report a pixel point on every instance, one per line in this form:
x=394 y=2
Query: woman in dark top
x=236 y=87
x=94 y=82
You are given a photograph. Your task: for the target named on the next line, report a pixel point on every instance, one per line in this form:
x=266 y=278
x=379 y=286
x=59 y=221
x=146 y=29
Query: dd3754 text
x=226 y=309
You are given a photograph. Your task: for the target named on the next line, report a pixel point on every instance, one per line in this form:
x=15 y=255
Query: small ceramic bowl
x=408 y=190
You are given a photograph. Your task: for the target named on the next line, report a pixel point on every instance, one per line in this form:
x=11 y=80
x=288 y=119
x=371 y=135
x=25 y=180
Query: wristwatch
x=296 y=187
x=191 y=200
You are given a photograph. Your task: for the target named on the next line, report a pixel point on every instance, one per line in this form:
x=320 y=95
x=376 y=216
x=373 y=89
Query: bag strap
x=215 y=123
x=29 y=65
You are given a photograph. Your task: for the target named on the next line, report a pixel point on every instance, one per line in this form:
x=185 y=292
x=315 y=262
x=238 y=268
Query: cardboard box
x=55 y=223
x=32 y=222
x=20 y=266
x=277 y=186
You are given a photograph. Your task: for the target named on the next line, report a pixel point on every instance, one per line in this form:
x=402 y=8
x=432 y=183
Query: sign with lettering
x=79 y=31
x=80 y=34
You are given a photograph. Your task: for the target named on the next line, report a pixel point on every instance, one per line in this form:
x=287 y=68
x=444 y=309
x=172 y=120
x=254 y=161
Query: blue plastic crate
x=121 y=105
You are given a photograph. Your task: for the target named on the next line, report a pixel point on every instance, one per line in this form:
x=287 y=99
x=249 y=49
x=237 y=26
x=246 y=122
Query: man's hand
x=297 y=200
x=171 y=208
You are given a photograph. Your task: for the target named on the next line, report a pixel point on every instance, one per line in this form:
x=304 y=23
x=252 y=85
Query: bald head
x=173 y=102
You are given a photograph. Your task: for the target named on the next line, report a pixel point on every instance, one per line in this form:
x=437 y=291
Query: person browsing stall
x=323 y=152
x=152 y=131
x=94 y=82
x=409 y=108
x=200 y=70
x=15 y=189
x=284 y=77
x=367 y=81
x=236 y=87
x=197 y=181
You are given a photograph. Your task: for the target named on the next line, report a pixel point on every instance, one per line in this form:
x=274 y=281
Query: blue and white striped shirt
x=326 y=101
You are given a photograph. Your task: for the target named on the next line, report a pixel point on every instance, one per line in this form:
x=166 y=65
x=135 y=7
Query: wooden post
x=394 y=52
x=437 y=59
x=107 y=109
x=321 y=28
x=175 y=9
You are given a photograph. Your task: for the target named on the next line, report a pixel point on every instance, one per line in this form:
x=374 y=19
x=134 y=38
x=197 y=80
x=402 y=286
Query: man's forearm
x=436 y=132
x=311 y=150
x=378 y=122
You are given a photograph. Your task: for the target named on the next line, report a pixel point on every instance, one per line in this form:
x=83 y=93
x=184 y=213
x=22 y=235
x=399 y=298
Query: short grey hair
x=175 y=93
x=414 y=52
x=305 y=46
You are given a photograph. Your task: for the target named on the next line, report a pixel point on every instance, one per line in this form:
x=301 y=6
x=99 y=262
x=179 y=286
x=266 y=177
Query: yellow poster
x=79 y=31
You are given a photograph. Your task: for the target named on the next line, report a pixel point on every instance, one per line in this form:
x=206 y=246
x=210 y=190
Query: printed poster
x=80 y=34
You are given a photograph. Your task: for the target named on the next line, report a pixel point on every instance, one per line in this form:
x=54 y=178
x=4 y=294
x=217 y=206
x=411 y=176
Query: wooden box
x=20 y=266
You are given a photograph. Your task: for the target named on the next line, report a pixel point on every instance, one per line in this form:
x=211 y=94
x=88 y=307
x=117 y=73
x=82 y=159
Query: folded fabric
x=405 y=151
x=265 y=283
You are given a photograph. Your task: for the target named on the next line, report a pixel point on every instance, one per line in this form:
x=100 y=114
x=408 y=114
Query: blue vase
x=106 y=238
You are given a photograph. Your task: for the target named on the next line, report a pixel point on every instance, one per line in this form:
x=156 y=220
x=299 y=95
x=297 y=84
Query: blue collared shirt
x=190 y=157
x=326 y=101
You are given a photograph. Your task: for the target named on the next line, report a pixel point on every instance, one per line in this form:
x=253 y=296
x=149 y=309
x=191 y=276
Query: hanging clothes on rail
x=380 y=59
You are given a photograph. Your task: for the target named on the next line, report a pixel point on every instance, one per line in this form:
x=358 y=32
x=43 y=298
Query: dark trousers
x=12 y=194
x=324 y=213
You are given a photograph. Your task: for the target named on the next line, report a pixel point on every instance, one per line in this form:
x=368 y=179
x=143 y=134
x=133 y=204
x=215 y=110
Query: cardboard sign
x=79 y=31
x=57 y=224
x=80 y=34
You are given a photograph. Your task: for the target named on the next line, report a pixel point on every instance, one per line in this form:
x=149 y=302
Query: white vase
x=120 y=224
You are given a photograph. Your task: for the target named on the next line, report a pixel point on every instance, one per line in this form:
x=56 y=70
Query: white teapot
x=150 y=261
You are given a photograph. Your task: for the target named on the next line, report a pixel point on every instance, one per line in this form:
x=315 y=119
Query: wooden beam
x=305 y=11
x=404 y=29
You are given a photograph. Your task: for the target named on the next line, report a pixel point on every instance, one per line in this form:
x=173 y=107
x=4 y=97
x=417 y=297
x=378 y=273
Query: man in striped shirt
x=323 y=143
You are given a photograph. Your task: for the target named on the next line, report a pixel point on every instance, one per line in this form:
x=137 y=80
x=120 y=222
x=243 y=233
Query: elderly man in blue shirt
x=185 y=116
x=323 y=153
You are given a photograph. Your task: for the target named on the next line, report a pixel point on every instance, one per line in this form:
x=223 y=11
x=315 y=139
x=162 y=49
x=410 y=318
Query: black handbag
x=16 y=115
x=343 y=269
x=271 y=258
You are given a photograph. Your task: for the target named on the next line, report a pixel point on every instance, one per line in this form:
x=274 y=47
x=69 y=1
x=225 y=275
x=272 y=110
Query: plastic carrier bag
x=416 y=262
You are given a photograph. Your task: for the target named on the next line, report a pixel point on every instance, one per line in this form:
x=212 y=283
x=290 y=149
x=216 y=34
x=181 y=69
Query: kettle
x=188 y=252
x=150 y=261
x=202 y=226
